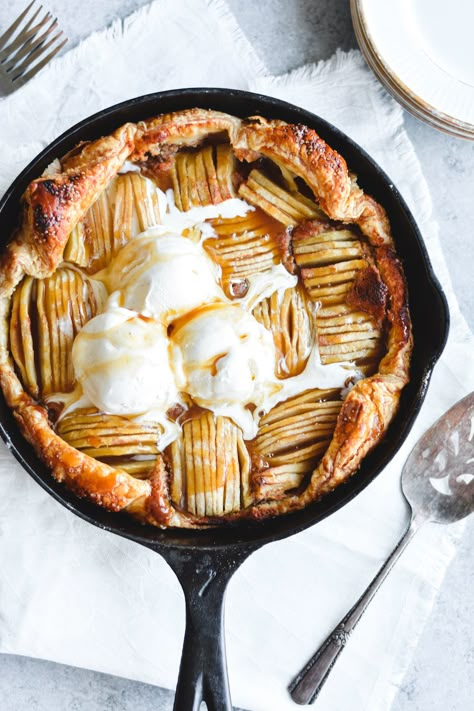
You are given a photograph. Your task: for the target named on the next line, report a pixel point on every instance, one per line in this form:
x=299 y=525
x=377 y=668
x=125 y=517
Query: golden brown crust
x=54 y=203
x=369 y=293
x=300 y=149
x=87 y=477
x=162 y=136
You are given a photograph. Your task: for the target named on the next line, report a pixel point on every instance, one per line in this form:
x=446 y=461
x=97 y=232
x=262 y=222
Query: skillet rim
x=251 y=533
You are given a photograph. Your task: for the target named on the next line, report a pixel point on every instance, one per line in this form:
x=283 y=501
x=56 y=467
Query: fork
x=27 y=46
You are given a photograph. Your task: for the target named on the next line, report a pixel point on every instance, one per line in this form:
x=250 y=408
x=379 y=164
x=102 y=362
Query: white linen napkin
x=74 y=594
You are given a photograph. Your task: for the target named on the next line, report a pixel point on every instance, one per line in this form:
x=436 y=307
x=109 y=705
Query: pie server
x=438 y=485
x=204 y=561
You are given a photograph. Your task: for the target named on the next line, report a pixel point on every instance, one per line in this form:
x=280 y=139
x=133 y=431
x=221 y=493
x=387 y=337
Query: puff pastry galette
x=203 y=319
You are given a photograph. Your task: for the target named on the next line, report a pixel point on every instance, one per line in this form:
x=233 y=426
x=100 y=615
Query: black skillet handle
x=204 y=575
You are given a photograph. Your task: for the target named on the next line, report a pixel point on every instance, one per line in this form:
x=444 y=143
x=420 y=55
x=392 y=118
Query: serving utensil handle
x=306 y=686
x=203 y=670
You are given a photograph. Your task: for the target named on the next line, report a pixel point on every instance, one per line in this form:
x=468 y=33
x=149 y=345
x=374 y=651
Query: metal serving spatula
x=438 y=483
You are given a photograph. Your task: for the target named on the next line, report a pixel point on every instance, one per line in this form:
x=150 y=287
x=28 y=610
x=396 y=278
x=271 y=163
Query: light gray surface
x=289 y=34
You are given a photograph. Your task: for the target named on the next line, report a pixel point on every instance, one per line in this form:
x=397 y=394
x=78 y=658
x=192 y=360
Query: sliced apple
x=288 y=207
x=211 y=467
x=129 y=205
x=115 y=440
x=291 y=440
x=288 y=316
x=244 y=246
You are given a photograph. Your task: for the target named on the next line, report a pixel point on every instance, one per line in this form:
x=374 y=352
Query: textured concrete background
x=288 y=35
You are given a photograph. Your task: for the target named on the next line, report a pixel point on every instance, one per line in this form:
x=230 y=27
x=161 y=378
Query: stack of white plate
x=423 y=53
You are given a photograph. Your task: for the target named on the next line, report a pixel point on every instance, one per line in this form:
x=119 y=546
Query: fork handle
x=306 y=686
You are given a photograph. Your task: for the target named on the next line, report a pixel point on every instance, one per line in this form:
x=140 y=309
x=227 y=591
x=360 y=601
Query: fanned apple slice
x=51 y=294
x=204 y=176
x=225 y=169
x=288 y=207
x=288 y=316
x=21 y=338
x=45 y=318
x=336 y=270
x=244 y=246
x=291 y=440
x=114 y=440
x=129 y=205
x=346 y=334
x=211 y=466
x=328 y=260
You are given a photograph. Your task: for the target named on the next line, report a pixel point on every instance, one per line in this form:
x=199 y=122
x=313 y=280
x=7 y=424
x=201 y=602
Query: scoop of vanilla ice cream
x=163 y=275
x=121 y=360
x=222 y=355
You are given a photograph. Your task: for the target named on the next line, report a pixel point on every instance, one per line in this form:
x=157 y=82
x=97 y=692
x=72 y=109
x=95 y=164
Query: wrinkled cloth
x=75 y=594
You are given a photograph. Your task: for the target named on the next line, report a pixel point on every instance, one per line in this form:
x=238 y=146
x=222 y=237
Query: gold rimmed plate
x=421 y=51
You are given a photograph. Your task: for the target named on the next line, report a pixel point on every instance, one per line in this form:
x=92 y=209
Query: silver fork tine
x=17 y=71
x=26 y=77
x=29 y=47
x=10 y=30
x=24 y=51
x=25 y=36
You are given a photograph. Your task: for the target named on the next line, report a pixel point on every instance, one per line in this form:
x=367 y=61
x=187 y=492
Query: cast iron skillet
x=204 y=561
